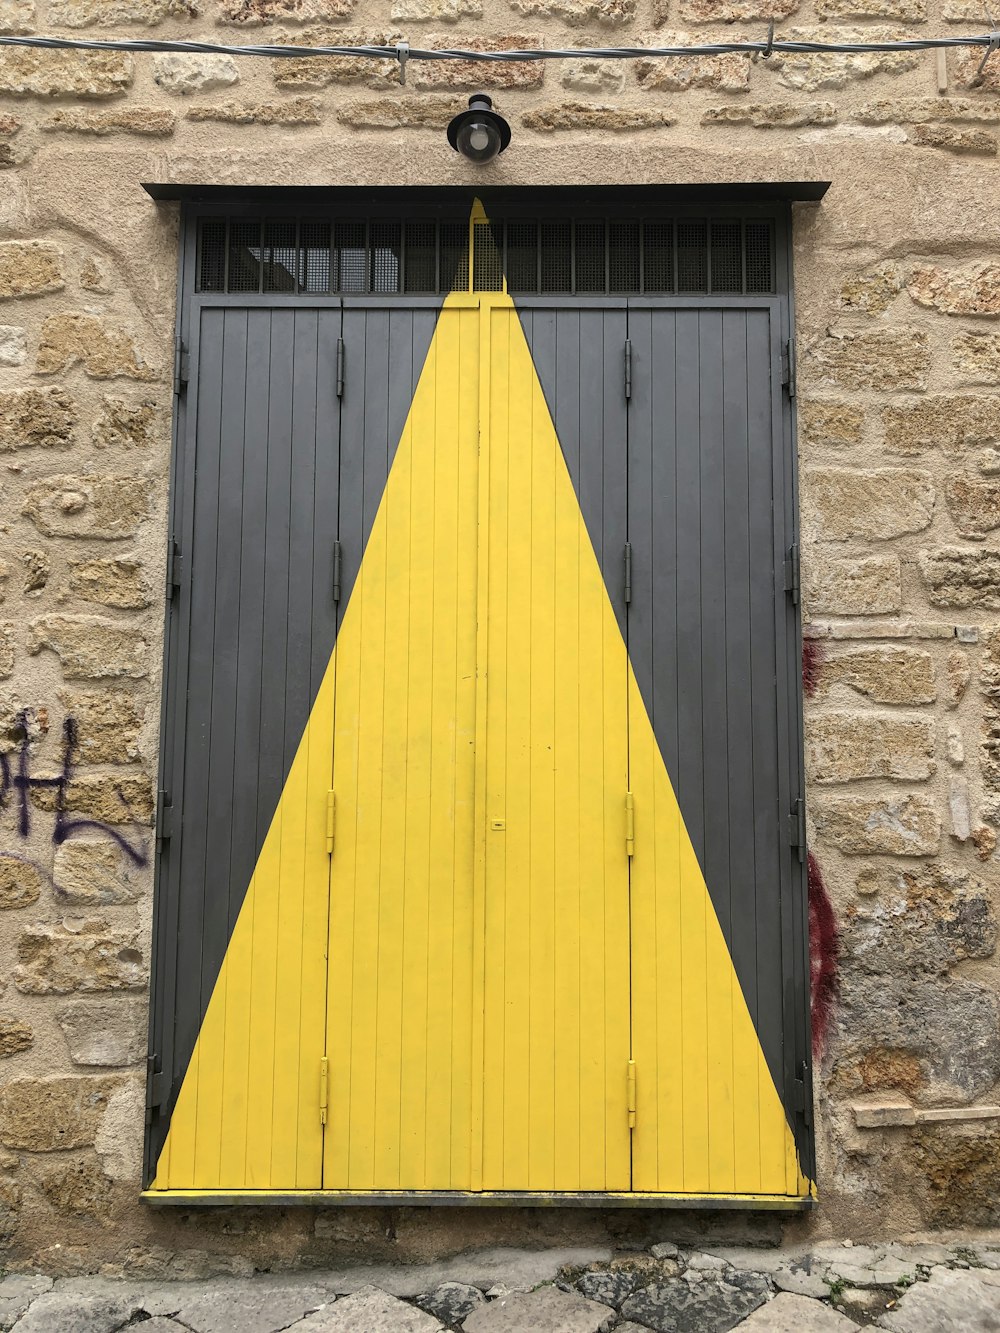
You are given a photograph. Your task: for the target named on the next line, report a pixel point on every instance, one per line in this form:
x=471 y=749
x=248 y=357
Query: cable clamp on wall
x=993 y=46
x=402 y=55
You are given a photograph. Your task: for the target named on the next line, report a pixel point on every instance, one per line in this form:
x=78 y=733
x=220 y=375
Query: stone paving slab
x=711 y=1305
x=367 y=1310
x=16 y=1294
x=548 y=1310
x=788 y=1313
x=950 y=1301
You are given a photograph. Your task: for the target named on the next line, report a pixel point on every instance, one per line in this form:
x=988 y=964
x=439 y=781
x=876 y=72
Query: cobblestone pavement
x=828 y=1288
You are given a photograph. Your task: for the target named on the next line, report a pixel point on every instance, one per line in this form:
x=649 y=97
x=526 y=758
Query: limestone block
x=94 y=506
x=958 y=808
x=889 y=826
x=15 y=1036
x=591 y=116
x=735 y=11
x=106 y=1033
x=90 y=872
x=105 y=349
x=124 y=425
x=471 y=75
x=153 y=122
x=839 y=503
x=973 y=289
x=258 y=13
x=37 y=567
x=725 y=73
x=869 y=359
x=974 y=356
x=123 y=798
x=30 y=268
x=119 y=583
x=430 y=112
x=53 y=1114
x=952 y=1298
x=53 y=960
x=978 y=143
x=771 y=115
x=17 y=16
x=908 y=11
x=6 y=650
x=77 y=1189
x=106 y=725
x=28 y=70
x=319 y=71
x=92 y=277
x=20 y=881
x=578 y=13
x=918 y=918
x=113 y=13
x=370 y=1308
x=984 y=839
x=13 y=345
x=593 y=76
x=824 y=422
x=9 y=124
x=797 y=69
x=920 y=110
x=715 y=1302
x=965 y=69
x=952 y=422
x=889 y=675
x=182 y=74
x=957 y=673
x=873 y=291
x=546 y=1308
x=957 y=577
x=446 y=11
x=90 y=648
x=974 y=504
x=296 y=111
x=791 y=1313
x=36 y=419
x=842 y=747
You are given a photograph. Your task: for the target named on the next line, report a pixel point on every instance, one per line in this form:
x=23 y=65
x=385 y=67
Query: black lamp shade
x=479 y=133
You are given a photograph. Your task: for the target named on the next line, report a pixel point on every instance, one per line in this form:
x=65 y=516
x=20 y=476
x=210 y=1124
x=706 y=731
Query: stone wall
x=898 y=321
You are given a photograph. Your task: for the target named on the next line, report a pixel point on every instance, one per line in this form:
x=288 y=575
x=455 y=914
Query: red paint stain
x=824 y=950
x=812 y=663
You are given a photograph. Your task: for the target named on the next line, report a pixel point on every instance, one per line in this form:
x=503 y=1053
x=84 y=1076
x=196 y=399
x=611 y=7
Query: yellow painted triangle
x=493 y=959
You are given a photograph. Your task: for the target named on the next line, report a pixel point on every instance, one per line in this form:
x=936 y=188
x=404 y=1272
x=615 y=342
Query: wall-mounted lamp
x=479 y=133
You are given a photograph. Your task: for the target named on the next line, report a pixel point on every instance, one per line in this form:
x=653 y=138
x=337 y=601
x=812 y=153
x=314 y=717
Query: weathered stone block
x=153 y=122
x=15 y=1036
x=872 y=359
x=839 y=503
x=717 y=1301
x=974 y=504
x=106 y=350
x=319 y=71
x=967 y=74
x=113 y=13
x=922 y=918
x=93 y=506
x=17 y=16
x=470 y=75
x=590 y=116
x=958 y=808
x=30 y=268
x=725 y=73
x=13 y=345
x=977 y=143
x=958 y=577
x=920 y=110
x=54 y=1114
x=909 y=11
x=841 y=747
x=258 y=13
x=593 y=76
x=296 y=111
x=20 y=881
x=836 y=69
x=31 y=71
x=578 y=13
x=888 y=826
x=429 y=112
x=183 y=74
x=735 y=11
x=119 y=583
x=124 y=798
x=37 y=568
x=771 y=115
x=92 y=873
x=107 y=1033
x=867 y=586
x=974 y=356
x=55 y=961
x=947 y=421
x=829 y=423
x=36 y=419
x=957 y=675
x=887 y=675
x=6 y=650
x=971 y=290
x=90 y=648
x=123 y=425
x=446 y=11
x=106 y=723
x=874 y=291
x=77 y=1189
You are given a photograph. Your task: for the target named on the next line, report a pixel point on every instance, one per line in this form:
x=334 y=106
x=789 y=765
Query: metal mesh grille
x=683 y=255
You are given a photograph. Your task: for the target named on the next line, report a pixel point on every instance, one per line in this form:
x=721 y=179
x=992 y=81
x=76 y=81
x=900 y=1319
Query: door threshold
x=481 y=1198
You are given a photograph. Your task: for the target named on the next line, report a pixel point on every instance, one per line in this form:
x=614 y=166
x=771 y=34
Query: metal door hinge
x=157 y=1084
x=797 y=828
x=164 y=816
x=788 y=366
x=338 y=563
x=628 y=572
x=324 y=1086
x=628 y=367
x=800 y=1097
x=793 y=573
x=331 y=820
x=182 y=364
x=340 y=367
x=629 y=824
x=630 y=1093
x=173 y=570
